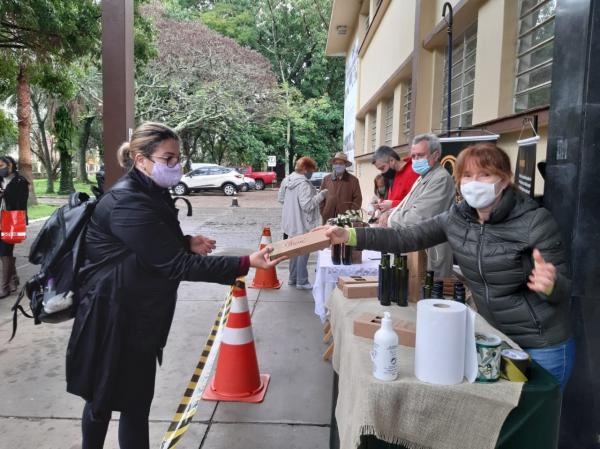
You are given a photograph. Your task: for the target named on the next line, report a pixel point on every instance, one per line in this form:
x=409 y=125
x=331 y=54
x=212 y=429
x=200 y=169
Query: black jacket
x=496 y=259
x=135 y=258
x=16 y=193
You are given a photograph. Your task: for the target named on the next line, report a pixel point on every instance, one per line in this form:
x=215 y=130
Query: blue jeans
x=557 y=360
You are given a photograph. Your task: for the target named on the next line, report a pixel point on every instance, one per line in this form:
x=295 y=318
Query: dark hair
x=9 y=160
x=144 y=140
x=384 y=152
x=379 y=177
x=487 y=156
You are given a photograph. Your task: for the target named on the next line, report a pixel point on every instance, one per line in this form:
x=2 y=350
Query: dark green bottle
x=405 y=273
x=384 y=280
x=428 y=286
x=396 y=280
x=401 y=280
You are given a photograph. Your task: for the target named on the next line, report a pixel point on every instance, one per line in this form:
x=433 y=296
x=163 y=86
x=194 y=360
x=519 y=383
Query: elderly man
x=399 y=177
x=344 y=189
x=432 y=194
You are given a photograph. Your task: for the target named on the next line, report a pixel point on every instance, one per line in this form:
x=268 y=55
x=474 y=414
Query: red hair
x=486 y=156
x=306 y=163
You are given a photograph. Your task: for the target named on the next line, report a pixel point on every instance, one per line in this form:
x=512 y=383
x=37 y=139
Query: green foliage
x=40 y=211
x=8 y=132
x=64 y=132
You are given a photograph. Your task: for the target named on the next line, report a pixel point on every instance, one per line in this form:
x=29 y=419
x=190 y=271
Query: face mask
x=381 y=190
x=389 y=174
x=4 y=172
x=339 y=168
x=308 y=174
x=165 y=176
x=420 y=166
x=478 y=194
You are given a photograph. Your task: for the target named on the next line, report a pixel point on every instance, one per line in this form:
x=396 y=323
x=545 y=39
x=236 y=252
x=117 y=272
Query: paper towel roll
x=445 y=342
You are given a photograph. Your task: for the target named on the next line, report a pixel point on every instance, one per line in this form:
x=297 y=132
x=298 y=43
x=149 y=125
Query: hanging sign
x=525 y=169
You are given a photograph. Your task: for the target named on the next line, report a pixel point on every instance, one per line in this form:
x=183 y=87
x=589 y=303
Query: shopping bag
x=13 y=226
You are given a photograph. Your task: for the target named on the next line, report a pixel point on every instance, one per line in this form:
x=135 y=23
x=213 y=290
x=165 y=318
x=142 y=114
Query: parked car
x=317 y=178
x=210 y=177
x=249 y=184
x=262 y=178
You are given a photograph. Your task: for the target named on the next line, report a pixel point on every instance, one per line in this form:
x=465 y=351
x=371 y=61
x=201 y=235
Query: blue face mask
x=420 y=166
x=339 y=168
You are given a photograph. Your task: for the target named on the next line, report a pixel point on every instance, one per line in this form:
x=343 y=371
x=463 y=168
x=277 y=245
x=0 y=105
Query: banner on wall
x=350 y=100
x=452 y=146
x=525 y=169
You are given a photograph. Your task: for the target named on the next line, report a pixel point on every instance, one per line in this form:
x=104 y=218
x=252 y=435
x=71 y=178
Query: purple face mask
x=165 y=176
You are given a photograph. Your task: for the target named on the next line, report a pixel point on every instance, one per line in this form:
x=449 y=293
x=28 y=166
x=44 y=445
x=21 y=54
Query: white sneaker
x=306 y=286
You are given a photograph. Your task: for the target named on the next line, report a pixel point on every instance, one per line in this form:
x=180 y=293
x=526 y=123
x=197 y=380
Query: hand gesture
x=336 y=234
x=260 y=259
x=543 y=275
x=202 y=245
x=385 y=205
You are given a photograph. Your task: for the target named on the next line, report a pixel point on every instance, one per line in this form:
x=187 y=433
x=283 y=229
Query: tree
x=64 y=132
x=38 y=32
x=203 y=85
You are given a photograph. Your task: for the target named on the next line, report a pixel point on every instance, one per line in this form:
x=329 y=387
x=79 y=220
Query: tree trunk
x=44 y=154
x=66 y=174
x=83 y=144
x=24 y=119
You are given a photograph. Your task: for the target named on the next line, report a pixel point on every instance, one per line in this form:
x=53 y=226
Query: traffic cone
x=237 y=377
x=265 y=278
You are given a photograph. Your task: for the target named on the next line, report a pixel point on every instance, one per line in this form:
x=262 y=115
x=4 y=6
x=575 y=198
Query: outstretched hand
x=202 y=245
x=260 y=259
x=335 y=233
x=543 y=275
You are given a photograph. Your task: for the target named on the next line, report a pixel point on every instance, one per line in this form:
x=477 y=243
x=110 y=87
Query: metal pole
x=448 y=9
x=117 y=82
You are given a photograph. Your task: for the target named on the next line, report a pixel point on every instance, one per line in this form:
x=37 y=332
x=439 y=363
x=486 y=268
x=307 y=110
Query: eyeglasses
x=171 y=161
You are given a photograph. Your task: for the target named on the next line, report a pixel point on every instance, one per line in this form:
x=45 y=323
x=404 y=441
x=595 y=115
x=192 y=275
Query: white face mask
x=478 y=194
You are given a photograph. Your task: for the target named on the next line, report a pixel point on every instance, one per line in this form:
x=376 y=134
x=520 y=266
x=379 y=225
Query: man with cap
x=343 y=189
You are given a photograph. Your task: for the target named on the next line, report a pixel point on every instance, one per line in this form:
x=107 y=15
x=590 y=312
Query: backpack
x=58 y=251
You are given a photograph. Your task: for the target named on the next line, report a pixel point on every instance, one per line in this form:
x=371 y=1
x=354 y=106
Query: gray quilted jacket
x=496 y=259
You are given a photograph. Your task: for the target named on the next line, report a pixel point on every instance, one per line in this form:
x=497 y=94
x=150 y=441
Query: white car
x=210 y=177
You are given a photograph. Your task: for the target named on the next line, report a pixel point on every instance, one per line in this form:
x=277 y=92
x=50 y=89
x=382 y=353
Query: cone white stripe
x=265 y=240
x=239 y=305
x=233 y=336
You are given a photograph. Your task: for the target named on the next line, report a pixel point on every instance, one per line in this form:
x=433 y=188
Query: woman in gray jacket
x=509 y=250
x=300 y=214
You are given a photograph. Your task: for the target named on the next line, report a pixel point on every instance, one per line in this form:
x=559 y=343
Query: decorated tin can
x=488 y=357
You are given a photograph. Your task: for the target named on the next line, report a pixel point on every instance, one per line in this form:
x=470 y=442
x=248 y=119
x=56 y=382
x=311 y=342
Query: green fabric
x=351 y=237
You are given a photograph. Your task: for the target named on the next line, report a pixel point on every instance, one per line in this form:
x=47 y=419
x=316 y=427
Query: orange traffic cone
x=265 y=278
x=237 y=377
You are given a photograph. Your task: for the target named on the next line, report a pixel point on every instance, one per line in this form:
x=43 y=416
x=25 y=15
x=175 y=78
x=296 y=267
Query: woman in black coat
x=14 y=190
x=135 y=257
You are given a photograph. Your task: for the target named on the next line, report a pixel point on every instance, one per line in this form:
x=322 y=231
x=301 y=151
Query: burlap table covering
x=407 y=411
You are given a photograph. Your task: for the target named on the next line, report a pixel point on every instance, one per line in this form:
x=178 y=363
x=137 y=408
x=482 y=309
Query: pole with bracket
x=447 y=9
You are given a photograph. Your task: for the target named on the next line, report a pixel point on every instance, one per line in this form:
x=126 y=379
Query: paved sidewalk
x=36 y=412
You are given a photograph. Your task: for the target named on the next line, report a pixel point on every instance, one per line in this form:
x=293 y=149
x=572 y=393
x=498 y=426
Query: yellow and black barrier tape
x=189 y=402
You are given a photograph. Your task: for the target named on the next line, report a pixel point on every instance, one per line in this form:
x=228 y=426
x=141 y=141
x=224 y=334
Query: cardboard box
x=347 y=280
x=300 y=244
x=354 y=291
x=367 y=324
x=356 y=256
x=417 y=266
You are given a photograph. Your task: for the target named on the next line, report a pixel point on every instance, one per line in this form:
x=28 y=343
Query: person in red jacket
x=400 y=178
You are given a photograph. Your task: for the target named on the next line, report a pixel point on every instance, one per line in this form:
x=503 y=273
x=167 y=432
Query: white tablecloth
x=328 y=274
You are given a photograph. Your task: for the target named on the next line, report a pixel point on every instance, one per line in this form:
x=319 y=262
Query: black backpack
x=58 y=251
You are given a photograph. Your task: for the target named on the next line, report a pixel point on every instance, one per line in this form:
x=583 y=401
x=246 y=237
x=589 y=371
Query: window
x=535 y=46
x=463 y=80
x=389 y=121
x=372 y=130
x=406 y=105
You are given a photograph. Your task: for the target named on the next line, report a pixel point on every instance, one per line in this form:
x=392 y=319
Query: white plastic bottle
x=385 y=351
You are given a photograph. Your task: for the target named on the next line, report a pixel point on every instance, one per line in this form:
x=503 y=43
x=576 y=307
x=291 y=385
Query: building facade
x=396 y=73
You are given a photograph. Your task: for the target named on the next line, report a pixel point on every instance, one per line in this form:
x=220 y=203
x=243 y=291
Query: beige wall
x=366 y=172
x=494 y=66
x=437 y=5
x=392 y=44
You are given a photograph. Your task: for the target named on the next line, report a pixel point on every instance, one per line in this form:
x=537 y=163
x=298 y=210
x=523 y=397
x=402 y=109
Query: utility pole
x=117 y=82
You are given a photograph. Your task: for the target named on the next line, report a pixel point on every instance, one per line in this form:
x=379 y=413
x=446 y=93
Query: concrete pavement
x=36 y=412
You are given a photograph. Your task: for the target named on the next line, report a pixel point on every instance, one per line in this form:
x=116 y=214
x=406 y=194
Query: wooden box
x=300 y=244
x=366 y=290
x=346 y=280
x=367 y=324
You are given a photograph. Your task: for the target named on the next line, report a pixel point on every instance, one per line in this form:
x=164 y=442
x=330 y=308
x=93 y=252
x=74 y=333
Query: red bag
x=13 y=226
